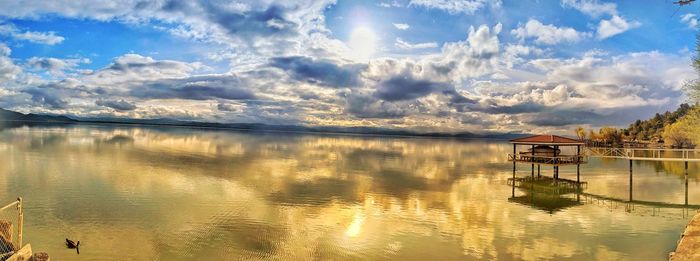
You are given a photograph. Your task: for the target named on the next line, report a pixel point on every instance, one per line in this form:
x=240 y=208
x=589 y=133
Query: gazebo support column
x=514 y=160
x=630 y=180
x=686 y=182
x=538 y=170
x=532 y=168
x=578 y=165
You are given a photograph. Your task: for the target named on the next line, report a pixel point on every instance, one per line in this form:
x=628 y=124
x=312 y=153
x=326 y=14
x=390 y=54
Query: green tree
x=685 y=132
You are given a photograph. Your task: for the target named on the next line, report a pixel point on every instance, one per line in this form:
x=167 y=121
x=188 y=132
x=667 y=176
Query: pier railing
x=548 y=160
x=9 y=244
x=655 y=154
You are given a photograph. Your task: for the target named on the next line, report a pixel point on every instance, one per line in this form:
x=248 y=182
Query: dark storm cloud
x=319 y=72
x=268 y=22
x=406 y=88
x=194 y=88
x=369 y=107
x=491 y=107
x=226 y=107
x=47 y=97
x=560 y=118
x=125 y=65
x=120 y=105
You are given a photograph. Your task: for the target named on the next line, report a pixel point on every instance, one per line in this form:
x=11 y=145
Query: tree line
x=680 y=128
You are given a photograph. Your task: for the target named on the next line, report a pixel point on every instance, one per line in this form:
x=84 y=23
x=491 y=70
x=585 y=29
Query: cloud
x=321 y=72
x=119 y=105
x=406 y=88
x=591 y=8
x=402 y=26
x=691 y=20
x=49 y=38
x=131 y=68
x=401 y=44
x=283 y=24
x=55 y=66
x=8 y=70
x=366 y=106
x=547 y=34
x=229 y=107
x=393 y=3
x=194 y=88
x=456 y=6
x=614 y=26
x=46 y=95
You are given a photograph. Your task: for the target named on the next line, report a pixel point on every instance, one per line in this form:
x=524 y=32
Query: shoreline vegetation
x=677 y=129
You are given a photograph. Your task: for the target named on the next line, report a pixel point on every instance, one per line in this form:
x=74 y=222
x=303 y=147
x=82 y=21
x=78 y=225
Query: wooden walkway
x=680 y=155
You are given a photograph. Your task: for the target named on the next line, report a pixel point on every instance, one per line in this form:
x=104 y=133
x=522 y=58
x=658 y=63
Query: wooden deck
x=547 y=160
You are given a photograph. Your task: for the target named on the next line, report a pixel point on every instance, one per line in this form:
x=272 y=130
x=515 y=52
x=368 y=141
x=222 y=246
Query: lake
x=141 y=193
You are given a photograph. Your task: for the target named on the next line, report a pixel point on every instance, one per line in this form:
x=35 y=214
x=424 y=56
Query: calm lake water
x=132 y=193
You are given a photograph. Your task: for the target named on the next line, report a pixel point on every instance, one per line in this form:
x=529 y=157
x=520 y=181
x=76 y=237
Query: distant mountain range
x=11 y=119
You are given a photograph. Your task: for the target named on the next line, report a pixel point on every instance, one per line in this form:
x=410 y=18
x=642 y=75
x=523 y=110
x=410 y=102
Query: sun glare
x=362 y=43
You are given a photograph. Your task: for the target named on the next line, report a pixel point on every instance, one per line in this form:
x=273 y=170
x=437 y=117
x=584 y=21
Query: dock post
x=630 y=180
x=20 y=222
x=538 y=170
x=685 y=173
x=514 y=162
x=532 y=159
x=578 y=165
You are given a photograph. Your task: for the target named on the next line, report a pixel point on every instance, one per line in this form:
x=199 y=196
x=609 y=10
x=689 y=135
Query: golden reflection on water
x=179 y=194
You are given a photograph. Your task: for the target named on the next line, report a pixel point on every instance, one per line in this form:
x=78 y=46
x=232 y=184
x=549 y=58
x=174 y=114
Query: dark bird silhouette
x=71 y=244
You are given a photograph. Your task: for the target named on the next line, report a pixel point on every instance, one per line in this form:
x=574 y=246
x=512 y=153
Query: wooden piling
x=630 y=180
x=532 y=169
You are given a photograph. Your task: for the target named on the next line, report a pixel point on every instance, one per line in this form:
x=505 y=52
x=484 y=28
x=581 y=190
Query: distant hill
x=11 y=118
x=8 y=117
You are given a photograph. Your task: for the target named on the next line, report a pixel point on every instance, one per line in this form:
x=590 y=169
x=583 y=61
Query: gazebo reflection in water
x=542 y=192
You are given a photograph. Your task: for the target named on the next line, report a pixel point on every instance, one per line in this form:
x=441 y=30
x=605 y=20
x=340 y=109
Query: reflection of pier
x=552 y=195
x=545 y=193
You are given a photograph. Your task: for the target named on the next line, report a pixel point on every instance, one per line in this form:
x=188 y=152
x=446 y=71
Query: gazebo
x=547 y=150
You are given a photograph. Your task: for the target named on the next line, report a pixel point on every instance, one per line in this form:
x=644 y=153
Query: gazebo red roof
x=547 y=140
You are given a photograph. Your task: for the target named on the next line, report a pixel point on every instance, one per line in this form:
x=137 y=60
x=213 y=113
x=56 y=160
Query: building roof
x=547 y=140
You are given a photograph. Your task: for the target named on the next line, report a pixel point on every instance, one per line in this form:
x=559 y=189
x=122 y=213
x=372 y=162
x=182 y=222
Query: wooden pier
x=647 y=154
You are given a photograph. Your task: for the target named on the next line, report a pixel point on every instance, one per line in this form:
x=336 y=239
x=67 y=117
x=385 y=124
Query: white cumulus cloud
x=592 y=8
x=456 y=6
x=401 y=44
x=548 y=34
x=614 y=26
x=402 y=26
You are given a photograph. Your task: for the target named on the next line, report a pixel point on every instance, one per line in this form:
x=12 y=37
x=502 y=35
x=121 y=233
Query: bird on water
x=71 y=244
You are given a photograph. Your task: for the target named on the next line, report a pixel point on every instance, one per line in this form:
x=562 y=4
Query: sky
x=423 y=65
